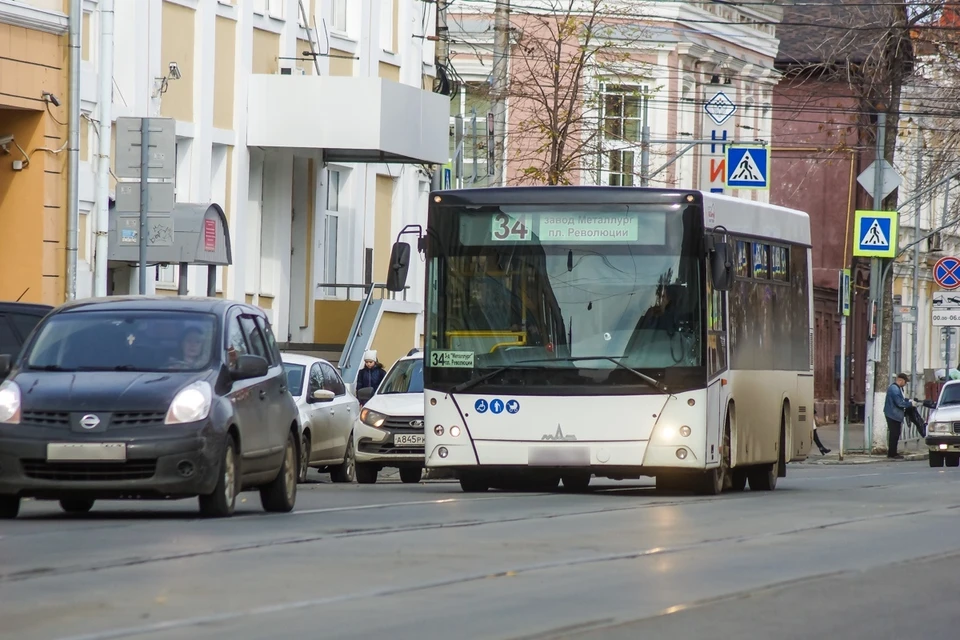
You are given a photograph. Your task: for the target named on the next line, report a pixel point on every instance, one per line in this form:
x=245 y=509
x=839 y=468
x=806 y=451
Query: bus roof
x=737 y=215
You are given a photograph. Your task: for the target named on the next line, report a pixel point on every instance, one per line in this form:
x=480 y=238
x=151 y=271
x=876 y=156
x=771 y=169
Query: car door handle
x=263 y=394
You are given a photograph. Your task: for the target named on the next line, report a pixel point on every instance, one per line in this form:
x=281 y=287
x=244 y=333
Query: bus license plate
x=408 y=440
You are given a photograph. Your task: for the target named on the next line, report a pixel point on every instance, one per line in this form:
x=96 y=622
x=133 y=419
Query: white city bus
x=614 y=332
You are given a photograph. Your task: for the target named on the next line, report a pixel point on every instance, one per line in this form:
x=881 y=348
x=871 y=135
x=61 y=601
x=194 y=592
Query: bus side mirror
x=721 y=266
x=399 y=265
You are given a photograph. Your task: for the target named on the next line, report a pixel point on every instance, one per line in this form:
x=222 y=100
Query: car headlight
x=940 y=427
x=372 y=418
x=9 y=402
x=191 y=404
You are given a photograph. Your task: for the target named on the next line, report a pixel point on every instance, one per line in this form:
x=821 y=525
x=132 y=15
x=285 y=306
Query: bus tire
x=738 y=480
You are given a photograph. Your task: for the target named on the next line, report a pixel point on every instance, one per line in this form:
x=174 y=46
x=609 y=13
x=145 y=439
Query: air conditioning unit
x=292 y=71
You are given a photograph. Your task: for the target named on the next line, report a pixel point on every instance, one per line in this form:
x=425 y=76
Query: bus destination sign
x=576 y=227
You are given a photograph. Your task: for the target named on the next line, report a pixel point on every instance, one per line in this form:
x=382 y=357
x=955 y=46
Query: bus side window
x=716 y=329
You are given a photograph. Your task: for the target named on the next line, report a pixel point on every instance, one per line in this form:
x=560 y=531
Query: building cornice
x=19 y=14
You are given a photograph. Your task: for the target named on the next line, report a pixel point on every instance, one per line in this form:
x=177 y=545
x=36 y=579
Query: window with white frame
x=388 y=21
x=331 y=231
x=339 y=18
x=274 y=8
x=621 y=116
x=472 y=104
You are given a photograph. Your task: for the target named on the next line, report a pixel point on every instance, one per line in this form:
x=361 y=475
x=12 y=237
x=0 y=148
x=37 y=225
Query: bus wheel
x=715 y=481
x=473 y=484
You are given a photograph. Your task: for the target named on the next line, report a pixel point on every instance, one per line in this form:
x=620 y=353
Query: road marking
x=183 y=623
x=412 y=503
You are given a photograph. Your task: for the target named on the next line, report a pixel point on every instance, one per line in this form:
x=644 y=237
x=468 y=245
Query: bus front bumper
x=615 y=455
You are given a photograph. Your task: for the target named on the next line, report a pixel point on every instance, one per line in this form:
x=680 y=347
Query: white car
x=943 y=427
x=389 y=432
x=328 y=412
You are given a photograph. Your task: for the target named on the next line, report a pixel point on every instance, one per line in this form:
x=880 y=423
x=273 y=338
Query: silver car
x=328 y=412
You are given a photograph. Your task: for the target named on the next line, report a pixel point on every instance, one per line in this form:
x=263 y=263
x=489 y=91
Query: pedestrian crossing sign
x=875 y=234
x=748 y=167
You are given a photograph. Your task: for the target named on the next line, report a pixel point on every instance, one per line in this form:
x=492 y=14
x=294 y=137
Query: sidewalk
x=854 y=452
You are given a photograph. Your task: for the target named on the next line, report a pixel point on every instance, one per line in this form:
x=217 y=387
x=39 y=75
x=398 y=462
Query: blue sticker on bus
x=496 y=405
x=480 y=405
x=513 y=406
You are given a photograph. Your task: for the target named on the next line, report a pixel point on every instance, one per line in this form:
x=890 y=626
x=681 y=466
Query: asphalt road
x=864 y=551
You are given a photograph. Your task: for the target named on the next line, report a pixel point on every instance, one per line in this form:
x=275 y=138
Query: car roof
x=157 y=303
x=416 y=356
x=31 y=308
x=299 y=358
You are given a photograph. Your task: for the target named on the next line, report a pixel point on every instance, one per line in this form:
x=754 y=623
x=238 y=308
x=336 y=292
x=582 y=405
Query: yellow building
x=34 y=65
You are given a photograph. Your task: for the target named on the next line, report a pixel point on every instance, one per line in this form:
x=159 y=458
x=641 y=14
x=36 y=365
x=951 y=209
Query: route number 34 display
x=507 y=228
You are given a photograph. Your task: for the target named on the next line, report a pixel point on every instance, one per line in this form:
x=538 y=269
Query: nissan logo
x=89 y=421
x=416 y=423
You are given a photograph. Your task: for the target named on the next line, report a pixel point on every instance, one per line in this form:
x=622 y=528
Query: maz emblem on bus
x=558 y=435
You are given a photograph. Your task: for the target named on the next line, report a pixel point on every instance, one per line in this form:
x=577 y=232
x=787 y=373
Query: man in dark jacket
x=372 y=373
x=893 y=407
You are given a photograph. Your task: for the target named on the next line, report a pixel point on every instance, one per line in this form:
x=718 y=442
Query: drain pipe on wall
x=105 y=122
x=73 y=146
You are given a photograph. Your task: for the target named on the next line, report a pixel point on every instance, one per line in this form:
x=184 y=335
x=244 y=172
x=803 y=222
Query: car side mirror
x=399 y=265
x=364 y=395
x=322 y=395
x=721 y=265
x=249 y=367
x=6 y=364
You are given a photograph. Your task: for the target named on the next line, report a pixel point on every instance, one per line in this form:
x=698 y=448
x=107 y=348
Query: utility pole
x=501 y=51
x=947 y=330
x=916 y=268
x=874 y=345
x=645 y=145
x=105 y=121
x=73 y=162
x=441 y=57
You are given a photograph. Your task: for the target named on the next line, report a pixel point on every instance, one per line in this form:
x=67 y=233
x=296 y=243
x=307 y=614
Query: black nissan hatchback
x=148 y=397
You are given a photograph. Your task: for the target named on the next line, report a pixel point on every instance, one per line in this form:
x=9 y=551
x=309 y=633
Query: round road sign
x=947 y=272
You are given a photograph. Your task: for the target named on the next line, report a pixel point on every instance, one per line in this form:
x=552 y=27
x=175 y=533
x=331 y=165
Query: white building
x=678 y=57
x=318 y=160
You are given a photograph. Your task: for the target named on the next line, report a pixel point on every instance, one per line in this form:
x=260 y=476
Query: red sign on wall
x=209 y=235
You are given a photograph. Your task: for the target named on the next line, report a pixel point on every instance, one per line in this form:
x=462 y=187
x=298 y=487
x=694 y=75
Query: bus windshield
x=585 y=294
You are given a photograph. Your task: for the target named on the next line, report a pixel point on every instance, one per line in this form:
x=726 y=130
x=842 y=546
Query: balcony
x=352 y=119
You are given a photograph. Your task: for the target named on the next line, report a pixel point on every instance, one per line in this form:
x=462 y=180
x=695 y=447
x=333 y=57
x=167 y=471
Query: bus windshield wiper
x=472 y=382
x=653 y=382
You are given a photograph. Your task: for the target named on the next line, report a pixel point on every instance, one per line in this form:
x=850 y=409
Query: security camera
x=51 y=98
x=6 y=139
x=174 y=71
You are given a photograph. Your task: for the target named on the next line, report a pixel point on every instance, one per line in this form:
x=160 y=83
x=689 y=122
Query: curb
x=866 y=459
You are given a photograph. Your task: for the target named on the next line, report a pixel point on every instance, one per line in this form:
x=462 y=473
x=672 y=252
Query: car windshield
x=294 y=377
x=950 y=395
x=405 y=377
x=125 y=341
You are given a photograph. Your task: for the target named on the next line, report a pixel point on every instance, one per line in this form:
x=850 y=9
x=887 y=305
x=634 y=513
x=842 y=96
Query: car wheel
x=304 y=458
x=367 y=473
x=280 y=496
x=9 y=507
x=936 y=459
x=222 y=502
x=76 y=505
x=346 y=472
x=411 y=475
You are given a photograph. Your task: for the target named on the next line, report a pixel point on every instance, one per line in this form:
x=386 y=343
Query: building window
x=388 y=22
x=621 y=122
x=620 y=169
x=333 y=191
x=472 y=105
x=331 y=230
x=338 y=21
x=622 y=107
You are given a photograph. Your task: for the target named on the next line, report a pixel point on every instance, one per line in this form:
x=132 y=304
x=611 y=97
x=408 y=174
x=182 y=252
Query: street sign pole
x=843 y=293
x=870 y=384
x=144 y=169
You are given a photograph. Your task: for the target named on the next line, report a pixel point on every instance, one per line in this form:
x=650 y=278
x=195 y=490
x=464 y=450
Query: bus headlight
x=454 y=431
